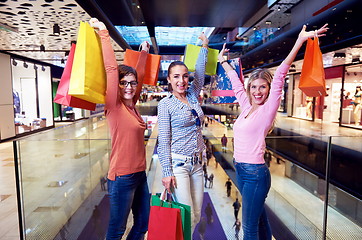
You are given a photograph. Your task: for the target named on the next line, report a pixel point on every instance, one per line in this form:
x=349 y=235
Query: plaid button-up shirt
x=178 y=132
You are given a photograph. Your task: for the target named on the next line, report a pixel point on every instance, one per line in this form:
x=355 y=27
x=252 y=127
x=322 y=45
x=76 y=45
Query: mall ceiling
x=25 y=26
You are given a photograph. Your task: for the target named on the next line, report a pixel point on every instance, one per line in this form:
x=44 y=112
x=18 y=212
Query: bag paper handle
x=316 y=36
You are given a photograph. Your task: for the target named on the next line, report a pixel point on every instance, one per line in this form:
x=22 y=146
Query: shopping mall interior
x=55 y=158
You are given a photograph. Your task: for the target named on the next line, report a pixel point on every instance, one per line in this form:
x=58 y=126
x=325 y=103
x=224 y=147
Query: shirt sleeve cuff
x=167 y=172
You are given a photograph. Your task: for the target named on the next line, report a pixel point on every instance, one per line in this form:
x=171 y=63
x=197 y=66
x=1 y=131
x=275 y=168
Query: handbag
x=152 y=65
x=185 y=211
x=165 y=222
x=191 y=55
x=62 y=97
x=88 y=78
x=312 y=80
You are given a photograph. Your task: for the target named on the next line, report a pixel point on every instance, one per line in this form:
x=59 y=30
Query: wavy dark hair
x=124 y=70
x=172 y=65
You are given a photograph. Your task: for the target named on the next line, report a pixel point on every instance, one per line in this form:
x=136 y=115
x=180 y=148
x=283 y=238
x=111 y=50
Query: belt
x=194 y=159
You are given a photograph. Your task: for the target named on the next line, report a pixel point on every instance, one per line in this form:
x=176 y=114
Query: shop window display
x=302 y=104
x=352 y=97
x=31 y=98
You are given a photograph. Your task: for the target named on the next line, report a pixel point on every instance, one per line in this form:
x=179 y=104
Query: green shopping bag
x=191 y=55
x=156 y=200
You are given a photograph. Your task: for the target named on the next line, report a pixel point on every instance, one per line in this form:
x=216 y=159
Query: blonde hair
x=260 y=73
x=256 y=74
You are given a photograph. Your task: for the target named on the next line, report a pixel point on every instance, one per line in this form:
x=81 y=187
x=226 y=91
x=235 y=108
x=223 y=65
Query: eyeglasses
x=124 y=84
x=198 y=122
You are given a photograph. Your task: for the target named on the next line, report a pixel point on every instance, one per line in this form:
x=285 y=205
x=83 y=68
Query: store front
x=338 y=106
x=351 y=104
x=32 y=96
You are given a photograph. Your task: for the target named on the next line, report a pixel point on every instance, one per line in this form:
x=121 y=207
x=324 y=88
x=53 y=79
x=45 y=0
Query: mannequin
x=357 y=105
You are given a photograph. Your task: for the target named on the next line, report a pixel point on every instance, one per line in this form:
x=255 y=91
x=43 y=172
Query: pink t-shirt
x=126 y=125
x=250 y=132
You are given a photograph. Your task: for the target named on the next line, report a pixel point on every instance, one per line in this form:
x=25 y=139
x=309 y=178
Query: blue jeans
x=254 y=184
x=128 y=192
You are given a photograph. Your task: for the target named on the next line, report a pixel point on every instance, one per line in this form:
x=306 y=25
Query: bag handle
x=316 y=36
x=164 y=196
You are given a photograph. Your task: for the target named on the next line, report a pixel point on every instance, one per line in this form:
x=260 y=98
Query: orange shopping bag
x=312 y=79
x=152 y=65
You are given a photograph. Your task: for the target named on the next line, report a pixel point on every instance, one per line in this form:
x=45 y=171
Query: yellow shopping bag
x=88 y=77
x=191 y=55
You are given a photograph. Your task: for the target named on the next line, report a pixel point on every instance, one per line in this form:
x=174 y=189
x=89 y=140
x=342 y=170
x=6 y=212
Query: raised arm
x=279 y=75
x=199 y=80
x=236 y=82
x=302 y=37
x=110 y=64
x=140 y=69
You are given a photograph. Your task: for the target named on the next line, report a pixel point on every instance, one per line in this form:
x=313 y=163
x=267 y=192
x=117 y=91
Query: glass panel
x=166 y=36
x=344 y=219
x=56 y=182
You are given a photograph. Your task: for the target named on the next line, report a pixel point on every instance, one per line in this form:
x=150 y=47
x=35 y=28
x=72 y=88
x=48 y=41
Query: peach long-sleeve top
x=126 y=125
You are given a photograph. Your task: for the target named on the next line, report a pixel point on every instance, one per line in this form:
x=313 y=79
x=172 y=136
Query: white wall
x=45 y=95
x=7 y=126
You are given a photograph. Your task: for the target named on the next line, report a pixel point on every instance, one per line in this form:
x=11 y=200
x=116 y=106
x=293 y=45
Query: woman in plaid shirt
x=180 y=138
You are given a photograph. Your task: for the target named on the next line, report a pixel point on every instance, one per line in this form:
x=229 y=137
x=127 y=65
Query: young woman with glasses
x=127 y=182
x=259 y=100
x=180 y=142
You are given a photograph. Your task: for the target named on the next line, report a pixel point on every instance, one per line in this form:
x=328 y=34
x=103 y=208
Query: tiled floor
x=223 y=205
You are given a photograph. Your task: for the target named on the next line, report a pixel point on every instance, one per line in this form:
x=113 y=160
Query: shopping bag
x=164 y=224
x=62 y=97
x=152 y=65
x=191 y=55
x=88 y=78
x=185 y=211
x=312 y=80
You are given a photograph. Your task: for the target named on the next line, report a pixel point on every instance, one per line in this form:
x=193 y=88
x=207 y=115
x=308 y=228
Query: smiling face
x=258 y=88
x=178 y=77
x=259 y=91
x=127 y=87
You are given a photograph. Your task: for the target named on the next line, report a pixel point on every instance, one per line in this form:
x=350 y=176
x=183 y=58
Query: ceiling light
x=355 y=59
x=254 y=28
x=278 y=28
x=14 y=62
x=279 y=9
x=268 y=22
x=25 y=65
x=339 y=55
x=56 y=29
x=42 y=48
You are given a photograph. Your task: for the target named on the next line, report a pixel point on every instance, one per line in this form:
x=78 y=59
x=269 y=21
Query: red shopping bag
x=152 y=65
x=312 y=80
x=62 y=97
x=165 y=224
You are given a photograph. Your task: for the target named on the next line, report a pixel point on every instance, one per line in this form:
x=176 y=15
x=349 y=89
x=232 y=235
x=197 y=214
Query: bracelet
x=225 y=61
x=205 y=45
